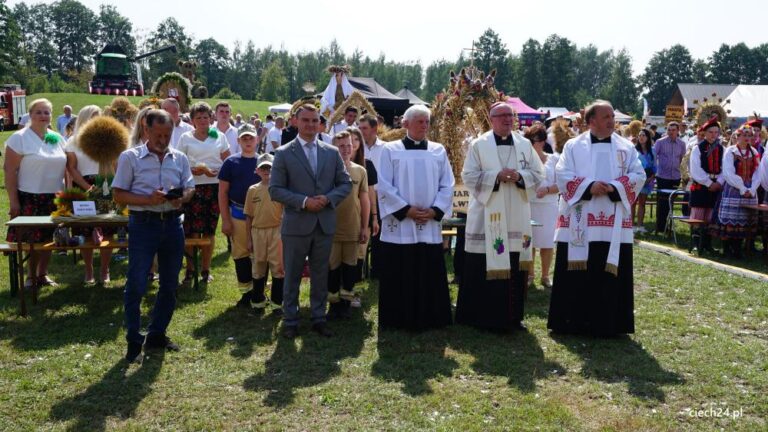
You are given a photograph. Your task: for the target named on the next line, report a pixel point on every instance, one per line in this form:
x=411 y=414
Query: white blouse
x=549 y=180
x=42 y=165
x=85 y=165
x=206 y=152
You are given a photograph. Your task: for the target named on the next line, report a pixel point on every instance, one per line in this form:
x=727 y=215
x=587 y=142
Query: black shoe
x=290 y=331
x=134 y=353
x=322 y=329
x=245 y=300
x=159 y=342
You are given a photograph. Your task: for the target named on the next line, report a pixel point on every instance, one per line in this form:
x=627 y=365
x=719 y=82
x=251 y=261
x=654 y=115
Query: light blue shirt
x=62 y=121
x=139 y=171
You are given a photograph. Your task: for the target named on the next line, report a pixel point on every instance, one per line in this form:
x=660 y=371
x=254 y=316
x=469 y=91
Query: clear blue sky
x=427 y=31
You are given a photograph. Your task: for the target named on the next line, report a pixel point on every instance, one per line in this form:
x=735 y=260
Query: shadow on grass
x=68 y=314
x=621 y=359
x=413 y=358
x=310 y=359
x=517 y=356
x=247 y=329
x=117 y=394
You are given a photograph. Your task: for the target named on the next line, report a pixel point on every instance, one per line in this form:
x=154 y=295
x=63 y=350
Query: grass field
x=79 y=100
x=697 y=363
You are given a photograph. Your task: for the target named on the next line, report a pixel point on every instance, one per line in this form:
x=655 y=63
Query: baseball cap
x=265 y=159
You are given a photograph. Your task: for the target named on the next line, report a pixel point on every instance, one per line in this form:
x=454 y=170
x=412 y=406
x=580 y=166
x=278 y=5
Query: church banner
x=674 y=113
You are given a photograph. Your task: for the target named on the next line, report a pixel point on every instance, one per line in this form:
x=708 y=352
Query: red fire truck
x=13 y=105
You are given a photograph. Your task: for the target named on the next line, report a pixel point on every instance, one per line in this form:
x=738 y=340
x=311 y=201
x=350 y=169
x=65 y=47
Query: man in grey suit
x=309 y=179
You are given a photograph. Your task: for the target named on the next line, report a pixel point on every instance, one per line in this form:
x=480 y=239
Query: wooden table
x=757 y=208
x=23 y=224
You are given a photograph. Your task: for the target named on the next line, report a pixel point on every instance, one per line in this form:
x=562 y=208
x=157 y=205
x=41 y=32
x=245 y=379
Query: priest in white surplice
x=415 y=191
x=501 y=171
x=600 y=175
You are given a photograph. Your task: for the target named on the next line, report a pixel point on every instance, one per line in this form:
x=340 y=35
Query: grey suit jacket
x=292 y=180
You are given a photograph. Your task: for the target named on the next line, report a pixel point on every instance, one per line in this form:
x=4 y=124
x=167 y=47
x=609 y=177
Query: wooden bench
x=11 y=249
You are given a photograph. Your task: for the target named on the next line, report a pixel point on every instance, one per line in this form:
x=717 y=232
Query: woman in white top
x=206 y=149
x=139 y=135
x=34 y=171
x=544 y=205
x=83 y=171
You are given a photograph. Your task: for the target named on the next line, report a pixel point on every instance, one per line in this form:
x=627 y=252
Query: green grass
x=79 y=100
x=702 y=338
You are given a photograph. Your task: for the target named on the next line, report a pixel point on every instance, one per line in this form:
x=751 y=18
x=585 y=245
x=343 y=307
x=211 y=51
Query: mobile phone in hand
x=174 y=194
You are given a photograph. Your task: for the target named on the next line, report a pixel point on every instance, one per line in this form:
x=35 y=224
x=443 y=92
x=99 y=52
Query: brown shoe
x=322 y=329
x=290 y=331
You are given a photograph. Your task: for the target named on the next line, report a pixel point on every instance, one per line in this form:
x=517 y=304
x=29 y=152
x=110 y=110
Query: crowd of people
x=297 y=197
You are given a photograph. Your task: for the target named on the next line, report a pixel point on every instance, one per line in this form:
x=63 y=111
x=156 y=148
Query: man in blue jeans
x=153 y=180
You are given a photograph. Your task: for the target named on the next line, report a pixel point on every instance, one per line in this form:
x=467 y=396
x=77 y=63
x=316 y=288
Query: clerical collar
x=413 y=145
x=504 y=141
x=596 y=140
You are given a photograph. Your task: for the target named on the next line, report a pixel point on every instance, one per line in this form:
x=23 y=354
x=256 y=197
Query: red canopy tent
x=525 y=114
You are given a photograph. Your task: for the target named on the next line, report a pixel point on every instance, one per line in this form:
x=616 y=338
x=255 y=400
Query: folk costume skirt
x=201 y=213
x=33 y=204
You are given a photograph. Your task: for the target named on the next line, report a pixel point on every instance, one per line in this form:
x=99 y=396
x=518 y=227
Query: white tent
x=281 y=108
x=553 y=111
x=621 y=117
x=747 y=99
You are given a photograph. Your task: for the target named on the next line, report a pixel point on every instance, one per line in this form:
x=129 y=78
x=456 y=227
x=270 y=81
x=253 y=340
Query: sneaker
x=133 y=355
x=355 y=302
x=44 y=280
x=159 y=342
x=546 y=282
x=347 y=295
x=206 y=277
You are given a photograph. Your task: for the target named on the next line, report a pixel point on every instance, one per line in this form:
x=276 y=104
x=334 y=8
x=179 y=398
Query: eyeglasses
x=503 y=115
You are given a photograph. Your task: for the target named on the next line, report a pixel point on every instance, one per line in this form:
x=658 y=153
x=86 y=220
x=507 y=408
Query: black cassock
x=413 y=287
x=490 y=304
x=592 y=302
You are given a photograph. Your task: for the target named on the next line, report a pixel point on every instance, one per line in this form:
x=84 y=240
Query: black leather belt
x=172 y=214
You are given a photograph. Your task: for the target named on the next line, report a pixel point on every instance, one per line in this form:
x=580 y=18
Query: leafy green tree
x=114 y=28
x=621 y=88
x=274 y=84
x=168 y=32
x=437 y=78
x=213 y=60
x=74 y=28
x=557 y=65
x=735 y=64
x=10 y=36
x=529 y=73
x=664 y=71
x=593 y=69
x=491 y=53
x=226 y=94
x=36 y=50
x=701 y=72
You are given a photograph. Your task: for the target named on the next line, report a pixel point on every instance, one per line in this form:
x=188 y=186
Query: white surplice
x=480 y=180
x=599 y=219
x=419 y=178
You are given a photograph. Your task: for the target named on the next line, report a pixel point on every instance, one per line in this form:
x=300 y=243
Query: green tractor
x=117 y=74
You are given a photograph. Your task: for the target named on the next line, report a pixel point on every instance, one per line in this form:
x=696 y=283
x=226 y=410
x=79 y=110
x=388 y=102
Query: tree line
x=55 y=44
